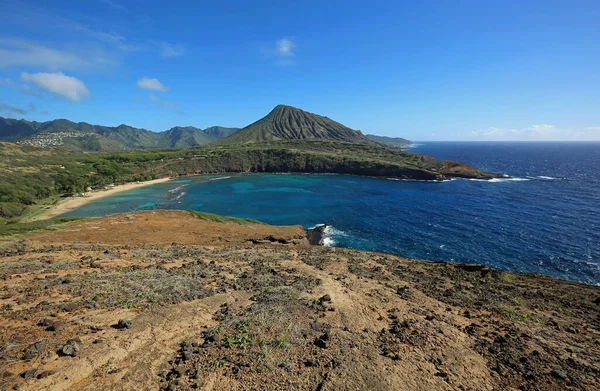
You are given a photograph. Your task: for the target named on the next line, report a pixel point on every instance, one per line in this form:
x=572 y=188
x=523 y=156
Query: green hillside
x=396 y=142
x=290 y=123
x=87 y=137
x=219 y=132
x=33 y=176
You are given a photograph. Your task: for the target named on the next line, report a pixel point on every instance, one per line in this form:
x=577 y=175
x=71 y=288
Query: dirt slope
x=214 y=315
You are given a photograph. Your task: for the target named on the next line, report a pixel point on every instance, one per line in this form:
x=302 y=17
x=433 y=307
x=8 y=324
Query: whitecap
x=508 y=180
x=175 y=190
x=180 y=195
x=330 y=234
x=219 y=178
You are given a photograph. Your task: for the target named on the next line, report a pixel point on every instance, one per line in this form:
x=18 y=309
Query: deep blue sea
x=545 y=219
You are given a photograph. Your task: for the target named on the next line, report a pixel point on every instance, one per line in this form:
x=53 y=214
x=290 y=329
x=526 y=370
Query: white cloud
x=6 y=81
x=161 y=102
x=20 y=52
x=171 y=49
x=542 y=130
x=494 y=132
x=285 y=47
x=151 y=84
x=593 y=129
x=60 y=84
x=283 y=52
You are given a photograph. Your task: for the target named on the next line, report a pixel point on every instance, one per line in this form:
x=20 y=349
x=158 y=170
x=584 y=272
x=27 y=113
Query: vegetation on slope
x=83 y=136
x=31 y=174
x=396 y=142
x=290 y=123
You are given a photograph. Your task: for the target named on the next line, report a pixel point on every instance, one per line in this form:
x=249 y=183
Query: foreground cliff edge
x=178 y=300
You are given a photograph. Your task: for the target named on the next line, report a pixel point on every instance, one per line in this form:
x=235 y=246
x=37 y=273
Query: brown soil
x=225 y=314
x=165 y=227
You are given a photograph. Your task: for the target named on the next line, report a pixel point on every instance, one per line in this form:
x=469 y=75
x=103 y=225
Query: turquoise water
x=546 y=219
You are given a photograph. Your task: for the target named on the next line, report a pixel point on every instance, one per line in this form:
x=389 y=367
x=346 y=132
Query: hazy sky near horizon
x=424 y=70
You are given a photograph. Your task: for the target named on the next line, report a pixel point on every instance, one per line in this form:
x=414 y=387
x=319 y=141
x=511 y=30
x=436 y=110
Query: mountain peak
x=291 y=123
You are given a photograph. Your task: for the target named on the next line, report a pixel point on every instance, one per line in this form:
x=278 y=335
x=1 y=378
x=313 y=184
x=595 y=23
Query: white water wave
x=219 y=178
x=508 y=179
x=546 y=178
x=175 y=190
x=330 y=234
x=412 y=146
x=419 y=180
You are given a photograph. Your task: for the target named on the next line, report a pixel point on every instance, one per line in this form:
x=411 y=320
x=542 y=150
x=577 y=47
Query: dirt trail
x=365 y=305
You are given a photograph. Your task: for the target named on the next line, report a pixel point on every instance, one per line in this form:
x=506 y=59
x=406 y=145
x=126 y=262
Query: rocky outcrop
x=316 y=235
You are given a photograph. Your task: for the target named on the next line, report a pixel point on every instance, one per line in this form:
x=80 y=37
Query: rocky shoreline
x=316 y=235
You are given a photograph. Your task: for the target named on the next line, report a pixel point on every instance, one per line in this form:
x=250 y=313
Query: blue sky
x=425 y=70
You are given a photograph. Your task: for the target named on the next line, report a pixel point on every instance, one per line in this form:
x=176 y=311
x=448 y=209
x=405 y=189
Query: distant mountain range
x=397 y=142
x=83 y=136
x=282 y=123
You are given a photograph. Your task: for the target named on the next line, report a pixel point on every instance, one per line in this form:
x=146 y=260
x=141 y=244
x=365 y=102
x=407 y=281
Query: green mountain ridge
x=290 y=123
x=282 y=123
x=396 y=142
x=87 y=137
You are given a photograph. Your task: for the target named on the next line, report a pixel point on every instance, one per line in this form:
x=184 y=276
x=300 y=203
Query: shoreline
x=70 y=203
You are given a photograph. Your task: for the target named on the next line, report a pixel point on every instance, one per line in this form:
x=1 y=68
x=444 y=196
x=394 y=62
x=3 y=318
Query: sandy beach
x=68 y=204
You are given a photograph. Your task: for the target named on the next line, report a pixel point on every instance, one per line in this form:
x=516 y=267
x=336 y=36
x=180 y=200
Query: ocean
x=545 y=219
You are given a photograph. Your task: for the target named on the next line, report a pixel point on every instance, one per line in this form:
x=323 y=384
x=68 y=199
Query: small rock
x=310 y=363
x=324 y=299
x=179 y=371
x=45 y=322
x=97 y=341
x=322 y=341
x=125 y=324
x=33 y=351
x=29 y=373
x=69 y=307
x=401 y=290
x=558 y=374
x=56 y=326
x=71 y=348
